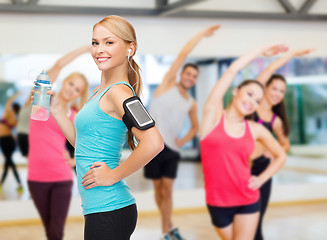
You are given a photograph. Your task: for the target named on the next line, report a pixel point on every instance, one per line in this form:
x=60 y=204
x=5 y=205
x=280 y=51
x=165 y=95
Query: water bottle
x=41 y=103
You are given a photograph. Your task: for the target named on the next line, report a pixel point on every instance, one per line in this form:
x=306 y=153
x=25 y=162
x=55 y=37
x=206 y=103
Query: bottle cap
x=43 y=77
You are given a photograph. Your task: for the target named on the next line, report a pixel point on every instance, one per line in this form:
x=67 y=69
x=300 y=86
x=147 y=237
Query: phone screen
x=140 y=114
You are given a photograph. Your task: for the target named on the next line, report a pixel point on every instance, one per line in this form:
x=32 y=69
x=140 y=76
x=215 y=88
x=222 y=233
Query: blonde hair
x=84 y=94
x=124 y=30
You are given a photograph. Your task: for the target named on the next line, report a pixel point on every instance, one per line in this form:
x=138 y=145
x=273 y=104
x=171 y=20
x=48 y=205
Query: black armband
x=136 y=115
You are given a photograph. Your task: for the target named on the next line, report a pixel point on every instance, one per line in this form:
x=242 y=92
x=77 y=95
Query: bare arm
x=194 y=127
x=28 y=100
x=150 y=144
x=66 y=59
x=279 y=132
x=263 y=136
x=65 y=124
x=11 y=100
x=213 y=107
x=170 y=78
x=9 y=103
x=274 y=66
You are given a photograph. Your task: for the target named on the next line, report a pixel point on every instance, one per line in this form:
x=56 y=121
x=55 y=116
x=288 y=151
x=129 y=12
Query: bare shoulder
x=119 y=93
x=163 y=88
x=254 y=125
x=278 y=123
x=257 y=129
x=96 y=89
x=193 y=105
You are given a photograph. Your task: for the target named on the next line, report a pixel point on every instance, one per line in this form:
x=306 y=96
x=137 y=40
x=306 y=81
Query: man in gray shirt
x=169 y=108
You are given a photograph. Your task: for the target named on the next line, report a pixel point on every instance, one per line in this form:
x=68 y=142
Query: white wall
x=22 y=33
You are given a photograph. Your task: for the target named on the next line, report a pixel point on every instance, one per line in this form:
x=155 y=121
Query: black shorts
x=223 y=216
x=118 y=224
x=22 y=140
x=165 y=164
x=259 y=165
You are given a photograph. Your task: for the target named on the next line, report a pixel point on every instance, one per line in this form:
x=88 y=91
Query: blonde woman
x=100 y=132
x=50 y=177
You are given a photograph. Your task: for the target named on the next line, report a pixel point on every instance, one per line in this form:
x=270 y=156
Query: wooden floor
x=301 y=222
x=298 y=222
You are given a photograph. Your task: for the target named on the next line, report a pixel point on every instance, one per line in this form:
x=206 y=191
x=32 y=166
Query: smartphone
x=139 y=113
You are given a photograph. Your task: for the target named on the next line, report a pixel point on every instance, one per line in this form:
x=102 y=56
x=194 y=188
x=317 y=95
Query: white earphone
x=129 y=53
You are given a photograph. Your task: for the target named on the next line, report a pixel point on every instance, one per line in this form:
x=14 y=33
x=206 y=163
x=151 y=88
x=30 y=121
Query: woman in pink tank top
x=50 y=177
x=227 y=141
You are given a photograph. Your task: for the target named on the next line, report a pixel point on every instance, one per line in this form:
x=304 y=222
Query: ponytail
x=135 y=79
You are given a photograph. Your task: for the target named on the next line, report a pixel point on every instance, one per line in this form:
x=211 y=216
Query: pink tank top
x=46 y=161
x=226 y=167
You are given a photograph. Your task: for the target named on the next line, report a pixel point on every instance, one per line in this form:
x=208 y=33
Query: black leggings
x=23 y=143
x=117 y=225
x=259 y=165
x=52 y=200
x=8 y=146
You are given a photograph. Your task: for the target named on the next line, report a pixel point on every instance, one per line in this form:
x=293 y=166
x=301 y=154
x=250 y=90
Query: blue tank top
x=100 y=138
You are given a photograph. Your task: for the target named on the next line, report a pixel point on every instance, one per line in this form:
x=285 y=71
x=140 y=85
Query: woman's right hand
x=274 y=50
x=210 y=30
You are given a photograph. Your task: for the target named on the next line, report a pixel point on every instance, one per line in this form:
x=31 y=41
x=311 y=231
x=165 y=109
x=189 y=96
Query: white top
x=24 y=119
x=169 y=111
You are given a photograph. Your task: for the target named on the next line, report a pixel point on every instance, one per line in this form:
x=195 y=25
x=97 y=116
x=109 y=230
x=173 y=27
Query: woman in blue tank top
x=99 y=135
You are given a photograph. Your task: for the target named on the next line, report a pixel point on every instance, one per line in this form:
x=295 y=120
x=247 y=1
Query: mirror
x=305 y=101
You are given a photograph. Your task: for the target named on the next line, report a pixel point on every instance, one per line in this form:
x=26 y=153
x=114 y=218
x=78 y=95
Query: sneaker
x=175 y=235
x=166 y=237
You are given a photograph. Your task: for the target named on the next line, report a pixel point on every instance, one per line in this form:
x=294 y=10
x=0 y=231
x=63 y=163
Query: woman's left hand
x=98 y=175
x=255 y=183
x=178 y=142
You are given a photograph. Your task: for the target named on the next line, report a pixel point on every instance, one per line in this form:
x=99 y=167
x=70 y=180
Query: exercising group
x=237 y=190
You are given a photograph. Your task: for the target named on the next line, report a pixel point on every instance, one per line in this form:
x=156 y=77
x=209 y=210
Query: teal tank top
x=100 y=138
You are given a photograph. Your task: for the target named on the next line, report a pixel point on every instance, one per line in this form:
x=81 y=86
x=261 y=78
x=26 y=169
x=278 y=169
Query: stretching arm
x=65 y=60
x=170 y=78
x=274 y=66
x=214 y=105
x=10 y=102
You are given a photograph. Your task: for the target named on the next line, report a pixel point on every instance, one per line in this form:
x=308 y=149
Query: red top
x=226 y=167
